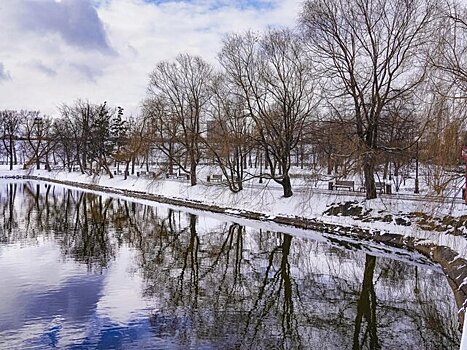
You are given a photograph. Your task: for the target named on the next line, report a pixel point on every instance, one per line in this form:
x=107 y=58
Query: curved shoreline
x=454 y=267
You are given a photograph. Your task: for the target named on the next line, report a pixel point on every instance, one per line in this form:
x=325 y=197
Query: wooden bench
x=380 y=187
x=344 y=184
x=216 y=178
x=178 y=176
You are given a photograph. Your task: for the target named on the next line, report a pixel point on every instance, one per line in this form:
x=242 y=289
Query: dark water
x=84 y=271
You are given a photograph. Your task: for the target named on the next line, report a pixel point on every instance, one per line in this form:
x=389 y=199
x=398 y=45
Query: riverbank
x=435 y=229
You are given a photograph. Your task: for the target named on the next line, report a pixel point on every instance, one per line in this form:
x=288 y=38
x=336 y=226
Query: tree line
x=357 y=87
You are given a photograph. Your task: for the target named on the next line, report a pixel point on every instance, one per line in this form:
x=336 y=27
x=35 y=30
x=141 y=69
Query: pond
x=94 y=271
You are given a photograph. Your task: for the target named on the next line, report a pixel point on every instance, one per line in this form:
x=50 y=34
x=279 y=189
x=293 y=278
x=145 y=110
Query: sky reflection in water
x=86 y=271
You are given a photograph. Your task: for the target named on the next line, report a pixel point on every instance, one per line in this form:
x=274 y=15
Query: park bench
x=344 y=184
x=215 y=178
x=177 y=176
x=380 y=187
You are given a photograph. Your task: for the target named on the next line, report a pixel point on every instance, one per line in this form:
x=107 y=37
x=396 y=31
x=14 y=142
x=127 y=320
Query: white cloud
x=121 y=299
x=57 y=52
x=4 y=75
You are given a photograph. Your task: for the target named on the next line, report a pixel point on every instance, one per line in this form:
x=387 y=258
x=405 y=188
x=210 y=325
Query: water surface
x=86 y=271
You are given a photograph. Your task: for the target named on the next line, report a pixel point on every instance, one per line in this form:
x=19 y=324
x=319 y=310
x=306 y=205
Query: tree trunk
x=107 y=170
x=11 y=153
x=302 y=156
x=84 y=161
x=287 y=186
x=369 y=172
x=15 y=156
x=385 y=170
x=127 y=167
x=193 y=179
x=171 y=161
x=47 y=162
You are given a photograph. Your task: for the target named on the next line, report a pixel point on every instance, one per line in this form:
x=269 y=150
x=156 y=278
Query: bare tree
x=180 y=92
x=400 y=131
x=78 y=119
x=228 y=138
x=277 y=83
x=439 y=148
x=137 y=142
x=89 y=128
x=450 y=56
x=10 y=123
x=38 y=138
x=161 y=132
x=369 y=53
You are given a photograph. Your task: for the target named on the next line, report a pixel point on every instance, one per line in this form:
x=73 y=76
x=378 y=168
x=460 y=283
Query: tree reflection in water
x=223 y=285
x=9 y=213
x=366 y=308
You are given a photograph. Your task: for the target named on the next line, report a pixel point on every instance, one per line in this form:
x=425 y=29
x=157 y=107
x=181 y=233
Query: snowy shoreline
x=447 y=250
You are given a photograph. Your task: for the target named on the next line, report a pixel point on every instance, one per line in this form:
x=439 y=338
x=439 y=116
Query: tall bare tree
x=38 y=138
x=180 y=92
x=277 y=83
x=137 y=142
x=370 y=52
x=89 y=128
x=449 y=58
x=228 y=138
x=65 y=149
x=10 y=124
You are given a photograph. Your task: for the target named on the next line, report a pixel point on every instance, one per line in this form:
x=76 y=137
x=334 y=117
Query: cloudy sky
x=55 y=51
